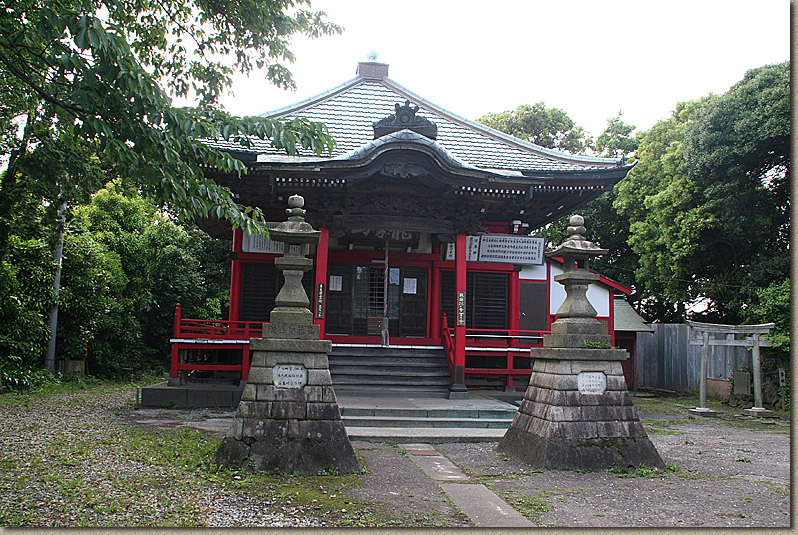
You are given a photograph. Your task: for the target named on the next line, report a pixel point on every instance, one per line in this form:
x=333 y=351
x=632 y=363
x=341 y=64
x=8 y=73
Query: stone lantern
x=577 y=413
x=576 y=324
x=288 y=418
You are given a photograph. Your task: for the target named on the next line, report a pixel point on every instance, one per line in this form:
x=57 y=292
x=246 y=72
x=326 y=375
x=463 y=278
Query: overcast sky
x=590 y=58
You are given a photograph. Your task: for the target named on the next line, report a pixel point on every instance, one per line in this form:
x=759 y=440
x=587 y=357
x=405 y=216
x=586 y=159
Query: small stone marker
x=290 y=376
x=576 y=413
x=288 y=418
x=591 y=383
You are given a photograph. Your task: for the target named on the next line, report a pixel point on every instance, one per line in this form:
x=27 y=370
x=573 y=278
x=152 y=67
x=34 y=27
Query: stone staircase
x=389 y=371
x=427 y=420
x=401 y=394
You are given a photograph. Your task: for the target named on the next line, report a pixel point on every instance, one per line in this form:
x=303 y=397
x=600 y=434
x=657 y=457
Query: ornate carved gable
x=405 y=117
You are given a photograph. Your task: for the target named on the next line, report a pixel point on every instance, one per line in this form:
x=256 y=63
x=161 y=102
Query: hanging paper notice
x=410 y=286
x=336 y=283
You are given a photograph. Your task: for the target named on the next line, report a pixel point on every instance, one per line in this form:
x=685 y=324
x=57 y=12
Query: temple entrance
x=357 y=300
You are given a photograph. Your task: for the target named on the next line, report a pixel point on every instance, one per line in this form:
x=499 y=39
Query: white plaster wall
x=533 y=272
x=598 y=295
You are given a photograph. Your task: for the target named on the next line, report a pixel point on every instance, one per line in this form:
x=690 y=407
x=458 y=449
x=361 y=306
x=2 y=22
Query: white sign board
x=511 y=249
x=260 y=243
x=591 y=383
x=410 y=286
x=290 y=376
x=336 y=283
x=502 y=248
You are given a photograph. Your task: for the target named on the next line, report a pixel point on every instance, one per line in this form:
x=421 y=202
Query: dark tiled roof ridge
x=455 y=118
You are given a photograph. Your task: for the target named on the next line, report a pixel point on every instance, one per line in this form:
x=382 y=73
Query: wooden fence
x=666 y=360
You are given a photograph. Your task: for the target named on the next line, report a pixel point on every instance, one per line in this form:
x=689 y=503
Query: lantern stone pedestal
x=288 y=418
x=577 y=413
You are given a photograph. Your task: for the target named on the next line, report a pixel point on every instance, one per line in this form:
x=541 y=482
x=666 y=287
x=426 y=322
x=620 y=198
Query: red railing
x=447 y=336
x=193 y=336
x=499 y=347
x=215 y=329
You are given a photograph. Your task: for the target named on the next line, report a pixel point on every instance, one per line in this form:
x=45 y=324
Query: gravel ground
x=63 y=466
x=723 y=473
x=76 y=460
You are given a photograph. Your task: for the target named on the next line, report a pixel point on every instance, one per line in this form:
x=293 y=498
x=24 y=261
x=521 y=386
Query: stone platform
x=559 y=427
x=191 y=395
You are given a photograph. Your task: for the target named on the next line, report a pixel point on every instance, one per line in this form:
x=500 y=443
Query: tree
x=617 y=141
x=773 y=306
x=708 y=204
x=126 y=265
x=547 y=127
x=103 y=74
x=738 y=157
x=651 y=200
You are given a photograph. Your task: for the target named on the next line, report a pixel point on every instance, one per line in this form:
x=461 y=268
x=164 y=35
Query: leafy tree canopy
x=101 y=74
x=547 y=127
x=707 y=202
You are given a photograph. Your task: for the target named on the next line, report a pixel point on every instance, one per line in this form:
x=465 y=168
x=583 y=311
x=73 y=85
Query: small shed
x=627 y=324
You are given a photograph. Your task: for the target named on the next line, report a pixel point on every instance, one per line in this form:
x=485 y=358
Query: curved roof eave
x=409 y=140
x=403 y=139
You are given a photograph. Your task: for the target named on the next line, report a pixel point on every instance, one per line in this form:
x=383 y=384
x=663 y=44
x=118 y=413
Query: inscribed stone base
x=292 y=422
x=566 y=423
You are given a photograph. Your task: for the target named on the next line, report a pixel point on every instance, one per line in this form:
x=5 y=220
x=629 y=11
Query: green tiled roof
x=350 y=110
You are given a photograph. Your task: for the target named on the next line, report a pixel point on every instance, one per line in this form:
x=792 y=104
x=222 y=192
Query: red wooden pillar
x=235 y=275
x=320 y=303
x=435 y=303
x=458 y=380
x=175 y=348
x=514 y=298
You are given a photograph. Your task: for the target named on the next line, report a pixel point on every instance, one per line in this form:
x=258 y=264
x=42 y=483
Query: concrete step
x=407 y=422
x=504 y=414
x=389 y=391
x=398 y=352
x=426 y=371
x=429 y=435
x=424 y=362
x=390 y=380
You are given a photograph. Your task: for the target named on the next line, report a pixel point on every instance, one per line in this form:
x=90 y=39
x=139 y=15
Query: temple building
x=425 y=277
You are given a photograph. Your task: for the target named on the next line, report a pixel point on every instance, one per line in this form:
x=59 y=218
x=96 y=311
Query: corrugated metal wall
x=666 y=360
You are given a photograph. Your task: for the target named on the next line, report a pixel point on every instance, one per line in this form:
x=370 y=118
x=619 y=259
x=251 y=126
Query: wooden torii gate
x=752 y=341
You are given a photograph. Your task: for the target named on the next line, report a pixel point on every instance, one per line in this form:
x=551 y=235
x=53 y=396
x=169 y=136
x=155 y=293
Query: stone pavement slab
x=476 y=501
x=483 y=507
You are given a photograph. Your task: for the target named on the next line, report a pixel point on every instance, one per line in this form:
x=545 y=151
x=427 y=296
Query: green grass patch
x=532 y=507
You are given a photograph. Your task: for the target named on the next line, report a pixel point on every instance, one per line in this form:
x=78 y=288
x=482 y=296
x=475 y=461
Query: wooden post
x=758 y=409
x=235 y=276
x=702 y=385
x=320 y=303
x=458 y=388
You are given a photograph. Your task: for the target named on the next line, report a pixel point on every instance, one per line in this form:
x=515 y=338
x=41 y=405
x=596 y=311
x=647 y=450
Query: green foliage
x=773 y=306
x=126 y=266
x=25 y=296
x=737 y=153
x=102 y=74
x=653 y=199
x=547 y=127
x=617 y=140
